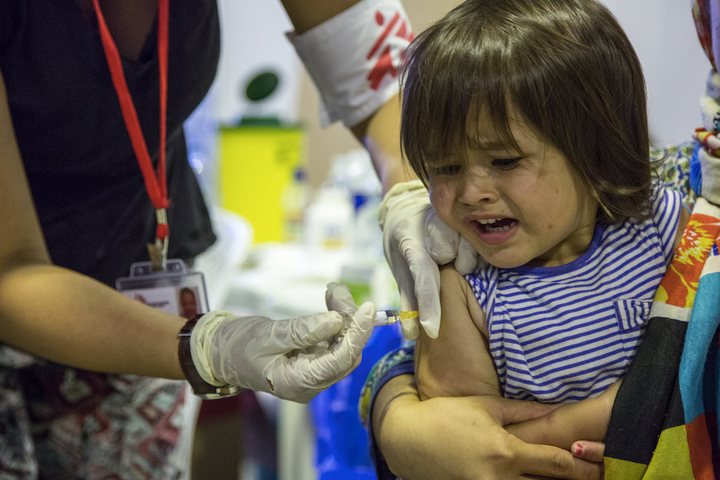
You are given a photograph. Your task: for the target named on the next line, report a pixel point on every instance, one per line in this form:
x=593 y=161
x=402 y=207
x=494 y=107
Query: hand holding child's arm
x=463 y=438
x=586 y=420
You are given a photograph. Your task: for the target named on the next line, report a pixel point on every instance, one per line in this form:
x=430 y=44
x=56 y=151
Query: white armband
x=354 y=59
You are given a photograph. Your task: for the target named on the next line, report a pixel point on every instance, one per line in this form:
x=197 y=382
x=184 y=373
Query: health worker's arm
x=59 y=314
x=380 y=132
x=72 y=319
x=414 y=239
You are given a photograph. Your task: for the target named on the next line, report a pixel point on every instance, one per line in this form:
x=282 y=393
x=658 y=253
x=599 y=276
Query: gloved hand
x=339 y=299
x=445 y=245
x=293 y=359
x=415 y=240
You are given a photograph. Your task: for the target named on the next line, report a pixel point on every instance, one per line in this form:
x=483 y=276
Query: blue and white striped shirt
x=562 y=334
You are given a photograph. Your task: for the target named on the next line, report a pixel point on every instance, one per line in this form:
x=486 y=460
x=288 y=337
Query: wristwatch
x=200 y=387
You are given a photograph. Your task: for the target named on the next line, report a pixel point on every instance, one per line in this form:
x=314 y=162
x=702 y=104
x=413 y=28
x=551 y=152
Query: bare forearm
x=380 y=135
x=305 y=14
x=397 y=393
x=561 y=428
x=394 y=426
x=584 y=420
x=72 y=319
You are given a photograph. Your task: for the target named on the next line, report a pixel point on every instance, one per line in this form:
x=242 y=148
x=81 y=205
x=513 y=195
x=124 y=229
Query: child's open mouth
x=495 y=225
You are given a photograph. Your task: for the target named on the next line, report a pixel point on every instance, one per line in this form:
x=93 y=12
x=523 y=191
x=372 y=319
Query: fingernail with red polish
x=578 y=450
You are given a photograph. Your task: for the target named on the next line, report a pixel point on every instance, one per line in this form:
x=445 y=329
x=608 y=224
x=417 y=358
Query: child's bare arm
x=458 y=363
x=584 y=420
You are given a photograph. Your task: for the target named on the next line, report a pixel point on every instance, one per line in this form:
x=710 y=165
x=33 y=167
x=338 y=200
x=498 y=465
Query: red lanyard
x=155 y=184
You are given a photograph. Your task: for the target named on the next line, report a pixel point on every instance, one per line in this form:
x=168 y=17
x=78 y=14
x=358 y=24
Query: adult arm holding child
x=464 y=438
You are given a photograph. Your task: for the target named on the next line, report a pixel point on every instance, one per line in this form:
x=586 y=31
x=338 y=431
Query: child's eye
x=446 y=170
x=505 y=163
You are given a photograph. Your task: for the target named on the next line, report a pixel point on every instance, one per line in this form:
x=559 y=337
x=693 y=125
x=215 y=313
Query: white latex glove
x=415 y=240
x=292 y=359
x=445 y=245
x=339 y=299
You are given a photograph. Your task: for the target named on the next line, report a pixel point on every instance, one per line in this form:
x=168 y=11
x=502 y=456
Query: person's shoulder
x=666 y=215
x=450 y=276
x=454 y=284
x=664 y=199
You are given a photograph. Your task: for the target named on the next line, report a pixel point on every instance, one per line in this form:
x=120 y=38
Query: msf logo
x=396 y=28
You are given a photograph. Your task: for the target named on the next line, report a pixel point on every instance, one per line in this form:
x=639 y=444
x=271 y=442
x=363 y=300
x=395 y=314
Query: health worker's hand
x=293 y=359
x=339 y=299
x=415 y=241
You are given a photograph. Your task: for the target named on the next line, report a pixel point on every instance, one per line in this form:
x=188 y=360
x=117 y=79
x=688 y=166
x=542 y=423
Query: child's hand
x=590 y=451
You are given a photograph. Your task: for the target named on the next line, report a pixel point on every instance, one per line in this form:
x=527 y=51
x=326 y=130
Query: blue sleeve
x=400 y=361
x=696 y=170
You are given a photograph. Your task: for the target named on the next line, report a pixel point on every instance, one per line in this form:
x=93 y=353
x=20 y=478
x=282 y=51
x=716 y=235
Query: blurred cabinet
x=256 y=162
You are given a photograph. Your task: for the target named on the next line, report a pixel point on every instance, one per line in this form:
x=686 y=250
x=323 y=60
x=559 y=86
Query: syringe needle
x=391 y=317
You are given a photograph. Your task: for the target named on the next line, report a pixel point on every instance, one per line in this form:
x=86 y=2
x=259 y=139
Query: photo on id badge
x=175 y=290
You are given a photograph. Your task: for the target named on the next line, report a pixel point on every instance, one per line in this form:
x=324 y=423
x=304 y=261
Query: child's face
x=514 y=209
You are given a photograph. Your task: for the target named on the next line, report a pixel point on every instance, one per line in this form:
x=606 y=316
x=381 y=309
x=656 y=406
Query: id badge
x=176 y=290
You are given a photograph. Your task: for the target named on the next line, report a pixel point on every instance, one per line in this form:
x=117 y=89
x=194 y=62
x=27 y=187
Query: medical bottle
x=295 y=197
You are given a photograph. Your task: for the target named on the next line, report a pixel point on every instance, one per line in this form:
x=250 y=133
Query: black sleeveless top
x=85 y=180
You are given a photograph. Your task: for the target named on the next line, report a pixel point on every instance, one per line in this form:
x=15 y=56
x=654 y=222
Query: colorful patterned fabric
x=674 y=171
x=387 y=367
x=705 y=14
x=664 y=422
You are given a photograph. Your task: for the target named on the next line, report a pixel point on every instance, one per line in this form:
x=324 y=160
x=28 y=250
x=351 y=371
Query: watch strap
x=199 y=386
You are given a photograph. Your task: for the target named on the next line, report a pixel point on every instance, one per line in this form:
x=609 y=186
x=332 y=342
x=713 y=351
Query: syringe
x=384 y=317
x=391 y=317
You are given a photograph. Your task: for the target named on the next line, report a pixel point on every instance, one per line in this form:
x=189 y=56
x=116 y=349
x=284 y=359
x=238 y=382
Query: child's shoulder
x=457 y=291
x=665 y=218
x=664 y=204
x=455 y=286
x=665 y=200
x=449 y=275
